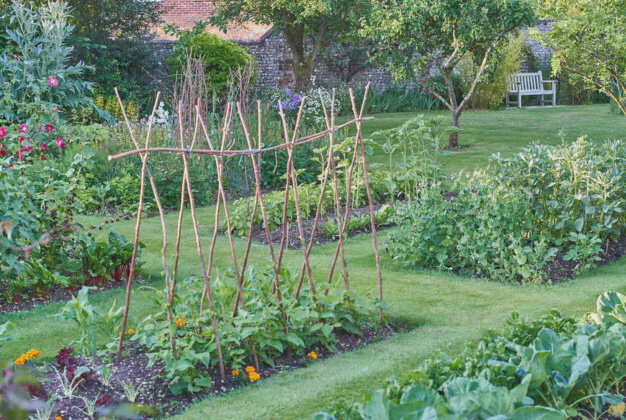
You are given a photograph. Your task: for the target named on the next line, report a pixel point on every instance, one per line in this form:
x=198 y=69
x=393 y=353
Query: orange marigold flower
x=20 y=360
x=181 y=322
x=250 y=369
x=235 y=372
x=32 y=353
x=312 y=355
x=131 y=331
x=254 y=376
x=58 y=418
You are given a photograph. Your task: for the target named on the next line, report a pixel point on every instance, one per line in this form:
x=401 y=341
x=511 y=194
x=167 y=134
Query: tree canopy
x=590 y=44
x=322 y=22
x=428 y=38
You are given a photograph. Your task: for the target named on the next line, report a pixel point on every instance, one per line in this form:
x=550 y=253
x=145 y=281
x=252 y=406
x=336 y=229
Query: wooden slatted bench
x=529 y=84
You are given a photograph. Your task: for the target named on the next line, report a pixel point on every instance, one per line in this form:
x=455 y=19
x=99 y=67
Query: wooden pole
x=200 y=253
x=144 y=157
x=232 y=153
x=359 y=139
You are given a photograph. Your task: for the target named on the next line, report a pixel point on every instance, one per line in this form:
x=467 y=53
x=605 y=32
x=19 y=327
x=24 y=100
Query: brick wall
x=274 y=58
x=185 y=13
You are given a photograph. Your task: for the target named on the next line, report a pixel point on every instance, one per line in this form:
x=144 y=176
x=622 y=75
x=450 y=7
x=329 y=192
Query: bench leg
x=519 y=100
x=543 y=100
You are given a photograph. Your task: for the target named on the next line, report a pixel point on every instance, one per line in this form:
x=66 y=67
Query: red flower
x=43 y=157
x=3 y=152
x=60 y=143
x=49 y=128
x=16 y=55
x=23 y=128
x=20 y=139
x=44 y=147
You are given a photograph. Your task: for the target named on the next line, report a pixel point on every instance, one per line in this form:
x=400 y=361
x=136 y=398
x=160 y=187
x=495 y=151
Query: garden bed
x=57 y=295
x=153 y=390
x=560 y=270
x=321 y=237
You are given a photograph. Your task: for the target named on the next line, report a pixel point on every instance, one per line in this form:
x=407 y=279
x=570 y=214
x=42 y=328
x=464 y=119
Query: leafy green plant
x=91 y=321
x=611 y=307
x=311 y=324
x=512 y=220
x=7 y=332
x=550 y=368
x=37 y=77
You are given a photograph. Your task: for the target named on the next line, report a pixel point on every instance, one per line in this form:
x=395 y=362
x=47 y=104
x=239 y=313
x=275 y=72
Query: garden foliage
x=220 y=58
x=551 y=368
x=307 y=324
x=511 y=221
x=36 y=76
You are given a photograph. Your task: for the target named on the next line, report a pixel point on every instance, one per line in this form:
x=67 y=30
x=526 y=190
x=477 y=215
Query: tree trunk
x=302 y=70
x=453 y=142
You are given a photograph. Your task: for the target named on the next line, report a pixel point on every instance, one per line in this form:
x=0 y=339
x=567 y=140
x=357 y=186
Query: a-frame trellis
x=219 y=154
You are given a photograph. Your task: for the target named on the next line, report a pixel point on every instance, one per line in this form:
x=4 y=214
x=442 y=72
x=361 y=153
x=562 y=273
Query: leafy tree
x=589 y=43
x=322 y=22
x=429 y=38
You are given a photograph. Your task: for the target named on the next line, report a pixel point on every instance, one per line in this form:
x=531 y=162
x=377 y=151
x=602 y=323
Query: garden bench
x=529 y=84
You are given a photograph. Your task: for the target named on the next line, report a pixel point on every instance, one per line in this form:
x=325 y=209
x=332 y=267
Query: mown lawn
x=443 y=309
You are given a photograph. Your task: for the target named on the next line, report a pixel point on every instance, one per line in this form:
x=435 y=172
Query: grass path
x=445 y=310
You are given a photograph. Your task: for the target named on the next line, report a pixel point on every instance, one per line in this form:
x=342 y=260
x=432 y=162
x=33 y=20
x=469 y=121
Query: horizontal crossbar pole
x=231 y=153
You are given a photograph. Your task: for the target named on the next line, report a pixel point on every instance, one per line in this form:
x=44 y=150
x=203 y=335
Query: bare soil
x=153 y=391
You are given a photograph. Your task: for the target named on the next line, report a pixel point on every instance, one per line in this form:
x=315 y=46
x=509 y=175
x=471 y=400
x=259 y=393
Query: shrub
x=510 y=221
x=220 y=58
x=555 y=367
x=37 y=78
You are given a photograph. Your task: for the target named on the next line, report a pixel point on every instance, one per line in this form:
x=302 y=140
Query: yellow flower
x=617 y=410
x=250 y=369
x=181 y=322
x=235 y=372
x=131 y=332
x=254 y=376
x=312 y=355
x=58 y=418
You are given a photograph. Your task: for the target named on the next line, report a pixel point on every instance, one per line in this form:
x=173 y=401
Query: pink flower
x=28 y=148
x=56 y=108
x=3 y=132
x=23 y=128
x=44 y=146
x=16 y=55
x=20 y=154
x=52 y=81
x=43 y=157
x=49 y=128
x=60 y=143
x=20 y=139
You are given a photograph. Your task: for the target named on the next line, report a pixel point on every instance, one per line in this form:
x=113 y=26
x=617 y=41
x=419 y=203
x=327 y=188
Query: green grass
x=444 y=310
x=508 y=131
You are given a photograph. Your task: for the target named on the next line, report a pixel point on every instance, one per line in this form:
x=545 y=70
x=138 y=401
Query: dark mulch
x=293 y=233
x=586 y=410
x=153 y=390
x=21 y=303
x=560 y=270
